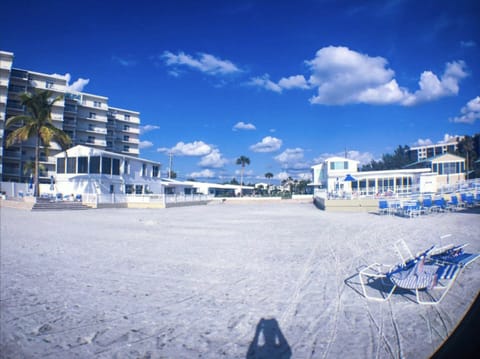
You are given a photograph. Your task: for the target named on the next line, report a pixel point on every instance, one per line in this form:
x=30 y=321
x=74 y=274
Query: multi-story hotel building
x=421 y=153
x=87 y=118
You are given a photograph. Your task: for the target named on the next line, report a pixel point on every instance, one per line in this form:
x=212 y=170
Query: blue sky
x=285 y=83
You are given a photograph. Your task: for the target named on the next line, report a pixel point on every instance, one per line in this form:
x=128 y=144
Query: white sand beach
x=195 y=282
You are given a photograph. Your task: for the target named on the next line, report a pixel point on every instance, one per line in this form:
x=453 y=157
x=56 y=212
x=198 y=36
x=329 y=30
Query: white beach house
x=87 y=170
x=340 y=177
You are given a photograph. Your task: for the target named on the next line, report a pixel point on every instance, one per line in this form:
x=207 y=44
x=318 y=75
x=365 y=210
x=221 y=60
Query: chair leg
x=380 y=276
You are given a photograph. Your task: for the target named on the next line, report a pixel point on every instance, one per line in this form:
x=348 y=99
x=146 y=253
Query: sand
x=196 y=282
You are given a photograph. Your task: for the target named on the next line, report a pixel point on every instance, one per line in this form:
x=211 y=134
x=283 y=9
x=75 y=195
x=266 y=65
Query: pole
x=170 y=163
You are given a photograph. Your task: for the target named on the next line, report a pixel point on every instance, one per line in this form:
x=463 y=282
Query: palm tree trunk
x=36 y=177
x=241 y=181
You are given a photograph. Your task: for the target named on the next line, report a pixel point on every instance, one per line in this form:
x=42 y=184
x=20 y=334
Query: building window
x=91 y=139
x=92 y=115
x=138 y=189
x=95 y=164
x=126 y=148
x=71 y=165
x=126 y=138
x=49 y=85
x=82 y=164
x=144 y=169
x=127 y=117
x=129 y=188
x=60 y=165
x=116 y=166
x=126 y=169
x=126 y=127
x=155 y=171
x=97 y=104
x=339 y=165
x=106 y=165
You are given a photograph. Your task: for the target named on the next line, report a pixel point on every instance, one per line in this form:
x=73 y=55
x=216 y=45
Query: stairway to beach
x=45 y=204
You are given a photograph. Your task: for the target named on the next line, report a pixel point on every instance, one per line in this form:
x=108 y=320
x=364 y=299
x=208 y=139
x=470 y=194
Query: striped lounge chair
x=429 y=276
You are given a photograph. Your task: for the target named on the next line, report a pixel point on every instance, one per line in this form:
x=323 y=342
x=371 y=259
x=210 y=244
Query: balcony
x=4 y=82
x=50 y=160
x=131 y=151
x=134 y=130
x=129 y=140
x=135 y=120
x=92 y=142
x=12 y=154
x=19 y=74
x=96 y=106
x=5 y=64
x=97 y=118
x=69 y=124
x=93 y=129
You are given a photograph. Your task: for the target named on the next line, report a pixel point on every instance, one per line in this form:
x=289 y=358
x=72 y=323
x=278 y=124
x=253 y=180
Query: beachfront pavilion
x=86 y=170
x=449 y=168
x=339 y=177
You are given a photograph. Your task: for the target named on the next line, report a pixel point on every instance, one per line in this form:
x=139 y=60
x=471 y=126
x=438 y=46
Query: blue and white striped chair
x=430 y=275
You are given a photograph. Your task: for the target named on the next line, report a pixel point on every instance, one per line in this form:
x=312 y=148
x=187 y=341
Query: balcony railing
x=12 y=154
x=98 y=130
x=96 y=118
x=90 y=142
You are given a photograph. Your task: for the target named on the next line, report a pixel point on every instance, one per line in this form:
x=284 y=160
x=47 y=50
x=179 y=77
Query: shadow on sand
x=269 y=342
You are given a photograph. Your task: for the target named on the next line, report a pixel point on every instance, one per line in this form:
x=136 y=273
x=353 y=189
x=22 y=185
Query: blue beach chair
x=429 y=276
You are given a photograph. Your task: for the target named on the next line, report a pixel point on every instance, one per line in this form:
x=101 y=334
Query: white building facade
x=6 y=60
x=421 y=153
x=85 y=170
x=87 y=118
x=339 y=177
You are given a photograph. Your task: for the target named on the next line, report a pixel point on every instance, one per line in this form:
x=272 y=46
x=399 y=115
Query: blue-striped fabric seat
x=448 y=271
x=418 y=276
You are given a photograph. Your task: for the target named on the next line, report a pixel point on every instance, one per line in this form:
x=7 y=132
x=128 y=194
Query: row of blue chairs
x=414 y=207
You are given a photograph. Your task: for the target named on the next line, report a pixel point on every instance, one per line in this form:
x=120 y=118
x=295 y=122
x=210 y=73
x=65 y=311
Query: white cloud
x=290 y=155
x=196 y=148
x=145 y=144
x=268 y=144
x=148 y=128
x=342 y=76
x=78 y=85
x=124 y=62
x=244 y=126
x=246 y=173
x=362 y=157
x=297 y=81
x=307 y=176
x=282 y=175
x=206 y=173
x=432 y=88
x=447 y=138
x=205 y=63
x=285 y=83
x=423 y=142
x=469 y=113
x=213 y=160
x=266 y=83
x=469 y=43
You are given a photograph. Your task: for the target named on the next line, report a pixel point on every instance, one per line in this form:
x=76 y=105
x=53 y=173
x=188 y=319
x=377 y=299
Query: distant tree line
x=468 y=147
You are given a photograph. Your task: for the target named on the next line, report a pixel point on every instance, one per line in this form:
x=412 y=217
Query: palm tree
x=37 y=123
x=242 y=160
x=269 y=176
